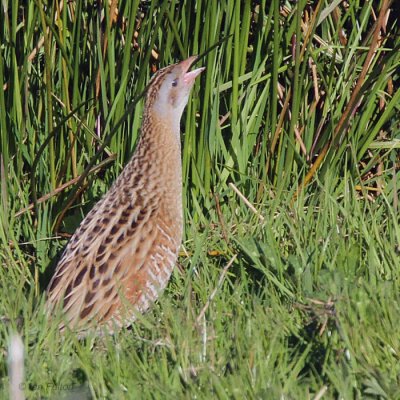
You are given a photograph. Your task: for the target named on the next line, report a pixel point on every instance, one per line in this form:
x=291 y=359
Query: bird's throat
x=159 y=149
x=161 y=135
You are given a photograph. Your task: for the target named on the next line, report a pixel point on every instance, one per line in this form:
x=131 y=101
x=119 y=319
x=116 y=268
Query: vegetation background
x=288 y=283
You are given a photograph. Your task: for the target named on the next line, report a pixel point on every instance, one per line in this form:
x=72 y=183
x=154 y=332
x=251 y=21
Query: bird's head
x=169 y=89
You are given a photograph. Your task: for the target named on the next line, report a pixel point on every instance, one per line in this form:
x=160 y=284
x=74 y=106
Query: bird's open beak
x=189 y=77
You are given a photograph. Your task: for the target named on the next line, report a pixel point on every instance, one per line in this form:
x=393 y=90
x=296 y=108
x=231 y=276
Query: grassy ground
x=297 y=115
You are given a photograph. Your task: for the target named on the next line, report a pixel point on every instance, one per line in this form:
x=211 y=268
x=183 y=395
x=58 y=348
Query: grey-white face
x=174 y=89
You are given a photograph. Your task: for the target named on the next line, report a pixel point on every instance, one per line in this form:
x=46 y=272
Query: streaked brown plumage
x=122 y=255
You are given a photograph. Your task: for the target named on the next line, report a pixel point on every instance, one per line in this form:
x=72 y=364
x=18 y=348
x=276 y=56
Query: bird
x=120 y=258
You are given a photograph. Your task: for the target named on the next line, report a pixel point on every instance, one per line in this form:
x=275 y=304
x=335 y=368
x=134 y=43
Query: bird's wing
x=111 y=243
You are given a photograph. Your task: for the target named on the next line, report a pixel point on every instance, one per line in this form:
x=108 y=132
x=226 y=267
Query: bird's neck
x=161 y=131
x=159 y=151
x=156 y=166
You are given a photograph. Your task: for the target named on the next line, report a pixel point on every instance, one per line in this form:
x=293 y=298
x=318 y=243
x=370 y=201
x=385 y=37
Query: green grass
x=306 y=129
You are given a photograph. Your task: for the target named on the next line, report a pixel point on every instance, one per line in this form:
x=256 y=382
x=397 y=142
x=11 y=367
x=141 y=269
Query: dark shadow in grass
x=319 y=319
x=261 y=268
x=317 y=354
x=45 y=277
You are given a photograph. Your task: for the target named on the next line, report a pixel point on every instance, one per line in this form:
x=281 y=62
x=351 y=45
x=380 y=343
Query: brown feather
x=122 y=255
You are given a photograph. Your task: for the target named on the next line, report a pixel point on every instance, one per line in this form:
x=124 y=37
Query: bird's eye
x=175 y=82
